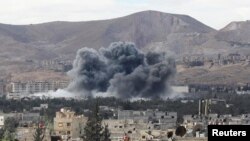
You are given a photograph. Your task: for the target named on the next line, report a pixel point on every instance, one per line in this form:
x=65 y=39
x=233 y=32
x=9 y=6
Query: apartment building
x=27 y=119
x=68 y=125
x=56 y=65
x=158 y=120
x=141 y=125
x=30 y=87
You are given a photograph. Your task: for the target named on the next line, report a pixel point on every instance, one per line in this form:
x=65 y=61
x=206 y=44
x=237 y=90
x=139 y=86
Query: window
x=68 y=124
x=60 y=124
x=68 y=132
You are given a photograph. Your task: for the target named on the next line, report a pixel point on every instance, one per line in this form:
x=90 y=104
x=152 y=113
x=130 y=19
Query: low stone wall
x=191 y=139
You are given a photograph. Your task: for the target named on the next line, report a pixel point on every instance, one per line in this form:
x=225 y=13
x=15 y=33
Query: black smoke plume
x=121 y=70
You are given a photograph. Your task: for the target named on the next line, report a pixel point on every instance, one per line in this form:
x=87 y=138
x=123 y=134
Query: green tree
x=180 y=131
x=1 y=133
x=106 y=134
x=9 y=129
x=39 y=134
x=8 y=136
x=93 y=129
x=170 y=134
x=10 y=124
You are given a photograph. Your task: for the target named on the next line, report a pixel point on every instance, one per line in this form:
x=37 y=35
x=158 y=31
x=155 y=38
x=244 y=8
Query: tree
x=93 y=129
x=8 y=136
x=170 y=134
x=180 y=131
x=7 y=133
x=39 y=134
x=106 y=134
x=1 y=133
x=10 y=124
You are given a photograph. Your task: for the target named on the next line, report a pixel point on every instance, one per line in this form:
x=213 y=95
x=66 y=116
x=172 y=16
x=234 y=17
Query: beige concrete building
x=136 y=130
x=68 y=125
x=27 y=134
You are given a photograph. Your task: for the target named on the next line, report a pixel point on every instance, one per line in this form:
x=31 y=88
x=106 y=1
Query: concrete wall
x=191 y=139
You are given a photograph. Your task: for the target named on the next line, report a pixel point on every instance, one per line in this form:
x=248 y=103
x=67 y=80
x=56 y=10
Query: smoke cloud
x=121 y=70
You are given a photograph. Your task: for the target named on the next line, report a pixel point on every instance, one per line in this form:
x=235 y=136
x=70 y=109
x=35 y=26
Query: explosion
x=121 y=70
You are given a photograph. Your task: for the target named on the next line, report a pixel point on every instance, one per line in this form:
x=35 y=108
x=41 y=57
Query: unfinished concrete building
x=68 y=125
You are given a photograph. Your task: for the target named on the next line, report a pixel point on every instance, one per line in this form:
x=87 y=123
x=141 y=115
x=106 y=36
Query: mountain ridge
x=22 y=46
x=177 y=33
x=66 y=38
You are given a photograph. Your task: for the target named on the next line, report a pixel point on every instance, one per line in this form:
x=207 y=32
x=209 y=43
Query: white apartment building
x=31 y=87
x=1 y=121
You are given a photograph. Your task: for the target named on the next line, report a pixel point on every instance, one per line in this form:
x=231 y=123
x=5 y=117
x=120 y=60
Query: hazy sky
x=215 y=13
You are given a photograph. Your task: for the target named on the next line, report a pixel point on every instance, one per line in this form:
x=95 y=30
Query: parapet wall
x=191 y=139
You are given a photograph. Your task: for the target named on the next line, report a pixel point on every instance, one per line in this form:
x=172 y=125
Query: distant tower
x=219 y=56
x=203 y=107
